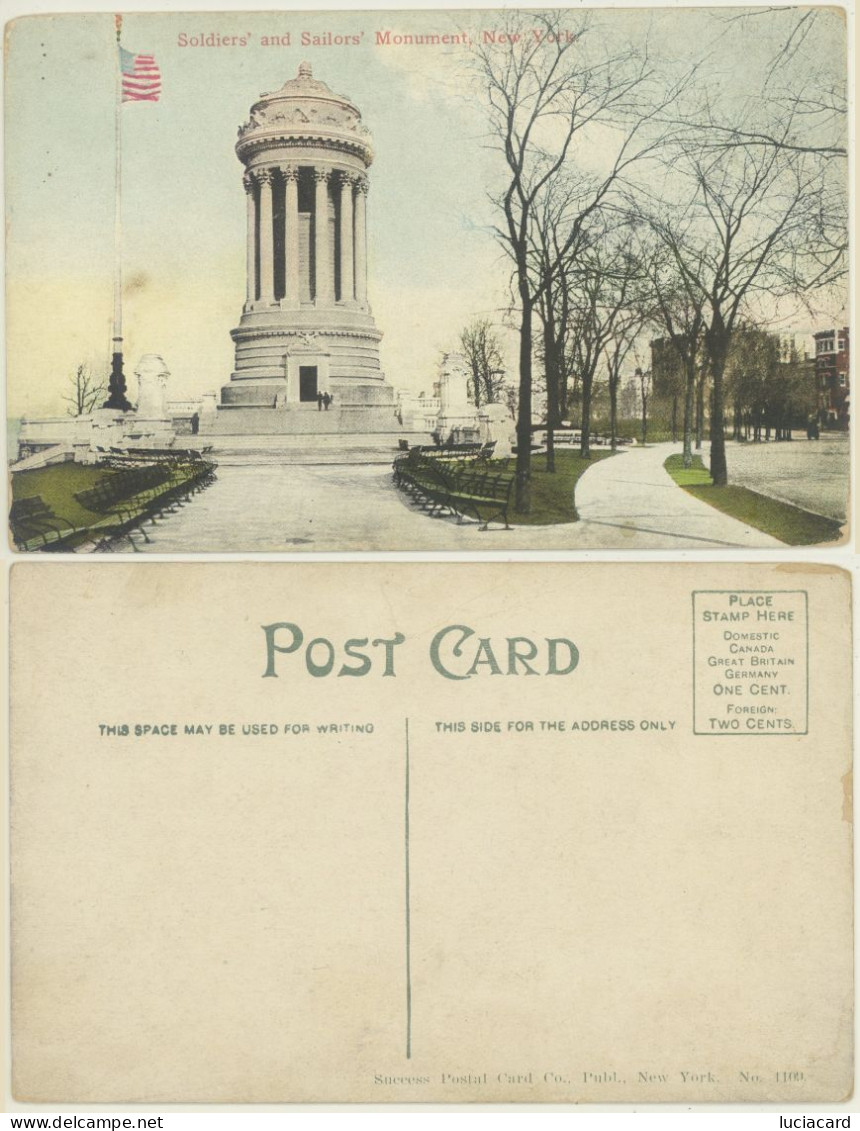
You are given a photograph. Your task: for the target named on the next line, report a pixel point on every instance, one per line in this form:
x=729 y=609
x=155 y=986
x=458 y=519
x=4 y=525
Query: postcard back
x=398 y=832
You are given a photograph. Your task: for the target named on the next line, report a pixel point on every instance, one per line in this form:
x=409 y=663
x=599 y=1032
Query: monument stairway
x=308 y=448
x=56 y=453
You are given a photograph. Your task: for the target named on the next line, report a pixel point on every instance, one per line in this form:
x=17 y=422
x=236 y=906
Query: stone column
x=361 y=242
x=347 y=283
x=267 y=251
x=291 y=236
x=251 y=250
x=322 y=253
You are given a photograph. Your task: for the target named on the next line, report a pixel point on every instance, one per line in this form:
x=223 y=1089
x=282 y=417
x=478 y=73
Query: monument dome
x=306 y=327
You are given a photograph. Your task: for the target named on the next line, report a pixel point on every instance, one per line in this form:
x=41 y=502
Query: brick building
x=832 y=377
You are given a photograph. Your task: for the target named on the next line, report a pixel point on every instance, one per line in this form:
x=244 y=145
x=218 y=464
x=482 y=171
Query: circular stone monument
x=306 y=328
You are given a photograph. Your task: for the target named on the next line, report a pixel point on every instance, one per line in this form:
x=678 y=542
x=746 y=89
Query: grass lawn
x=57 y=485
x=790 y=524
x=552 y=495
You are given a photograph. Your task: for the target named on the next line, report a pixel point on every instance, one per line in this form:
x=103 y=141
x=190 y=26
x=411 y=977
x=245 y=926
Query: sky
x=433 y=263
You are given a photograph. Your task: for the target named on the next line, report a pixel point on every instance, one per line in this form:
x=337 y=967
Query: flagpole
x=116 y=386
x=117 y=221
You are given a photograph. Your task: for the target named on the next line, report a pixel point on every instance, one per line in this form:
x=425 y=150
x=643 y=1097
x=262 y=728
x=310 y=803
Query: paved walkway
x=626 y=502
x=637 y=504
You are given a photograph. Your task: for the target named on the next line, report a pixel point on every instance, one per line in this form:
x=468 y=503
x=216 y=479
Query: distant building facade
x=667 y=370
x=832 y=377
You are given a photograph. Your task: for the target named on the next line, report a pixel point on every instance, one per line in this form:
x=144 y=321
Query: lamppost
x=644 y=385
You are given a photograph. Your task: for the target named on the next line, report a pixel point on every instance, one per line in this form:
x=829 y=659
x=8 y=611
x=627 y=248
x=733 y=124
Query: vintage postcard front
x=400 y=832
x=428 y=280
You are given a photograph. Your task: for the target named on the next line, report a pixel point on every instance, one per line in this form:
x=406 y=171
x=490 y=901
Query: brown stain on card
x=815 y=569
x=137 y=282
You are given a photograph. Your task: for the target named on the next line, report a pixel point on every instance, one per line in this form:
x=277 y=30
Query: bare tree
x=798 y=109
x=748 y=232
x=678 y=313
x=484 y=357
x=85 y=393
x=608 y=312
x=771 y=387
x=555 y=311
x=628 y=327
x=543 y=92
x=591 y=309
x=755 y=204
x=751 y=368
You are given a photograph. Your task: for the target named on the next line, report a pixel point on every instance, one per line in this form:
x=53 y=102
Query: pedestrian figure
x=326 y=401
x=319 y=402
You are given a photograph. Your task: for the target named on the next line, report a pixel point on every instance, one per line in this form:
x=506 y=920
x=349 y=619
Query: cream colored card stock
x=390 y=832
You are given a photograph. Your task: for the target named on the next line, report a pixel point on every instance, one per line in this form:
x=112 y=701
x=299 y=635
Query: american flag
x=141 y=78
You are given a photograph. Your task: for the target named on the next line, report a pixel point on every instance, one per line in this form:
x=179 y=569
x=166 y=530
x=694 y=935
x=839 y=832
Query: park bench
x=119 y=503
x=126 y=493
x=424 y=478
x=483 y=495
x=36 y=527
x=192 y=472
x=131 y=496
x=465 y=488
x=570 y=438
x=563 y=439
x=454 y=451
x=445 y=451
x=150 y=455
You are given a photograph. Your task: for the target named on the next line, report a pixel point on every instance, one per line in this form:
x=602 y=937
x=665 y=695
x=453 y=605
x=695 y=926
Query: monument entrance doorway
x=308 y=383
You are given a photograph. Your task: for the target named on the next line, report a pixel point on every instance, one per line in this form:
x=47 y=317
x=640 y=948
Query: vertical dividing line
x=408 y=909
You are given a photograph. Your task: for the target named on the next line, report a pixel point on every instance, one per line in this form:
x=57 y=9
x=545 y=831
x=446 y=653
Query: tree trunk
x=552 y=414
x=476 y=385
x=674 y=418
x=585 y=443
x=564 y=392
x=700 y=410
x=522 y=504
x=613 y=411
x=689 y=396
x=571 y=396
x=719 y=471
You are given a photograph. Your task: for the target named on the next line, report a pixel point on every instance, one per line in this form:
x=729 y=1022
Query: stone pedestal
x=107 y=429
x=497 y=426
x=152 y=375
x=458 y=419
x=150 y=425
